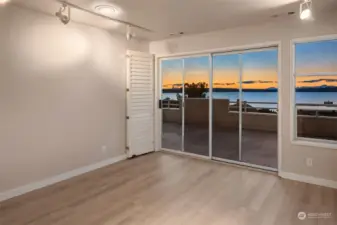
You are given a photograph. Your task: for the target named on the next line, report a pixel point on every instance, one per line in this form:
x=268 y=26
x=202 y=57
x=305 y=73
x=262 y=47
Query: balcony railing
x=170 y=104
x=317 y=110
x=254 y=107
x=303 y=109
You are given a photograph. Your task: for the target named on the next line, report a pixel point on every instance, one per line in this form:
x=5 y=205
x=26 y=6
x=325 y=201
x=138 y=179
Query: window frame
x=312 y=142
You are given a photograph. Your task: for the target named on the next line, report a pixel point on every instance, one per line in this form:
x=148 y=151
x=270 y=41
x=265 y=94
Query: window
x=315 y=100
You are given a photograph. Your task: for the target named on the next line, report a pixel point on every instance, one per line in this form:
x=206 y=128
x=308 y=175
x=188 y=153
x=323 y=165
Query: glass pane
x=225 y=142
x=196 y=105
x=316 y=57
x=316 y=104
x=172 y=81
x=259 y=108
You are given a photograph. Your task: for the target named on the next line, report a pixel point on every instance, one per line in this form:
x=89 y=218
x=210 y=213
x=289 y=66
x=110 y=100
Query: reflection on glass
x=259 y=108
x=316 y=103
x=313 y=57
x=196 y=105
x=172 y=81
x=225 y=141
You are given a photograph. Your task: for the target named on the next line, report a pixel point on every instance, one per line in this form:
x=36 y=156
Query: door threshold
x=178 y=152
x=223 y=161
x=246 y=165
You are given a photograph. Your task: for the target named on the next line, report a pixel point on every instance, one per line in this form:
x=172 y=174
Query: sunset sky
x=259 y=68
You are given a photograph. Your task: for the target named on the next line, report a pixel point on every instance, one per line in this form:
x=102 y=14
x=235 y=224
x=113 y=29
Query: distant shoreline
x=302 y=89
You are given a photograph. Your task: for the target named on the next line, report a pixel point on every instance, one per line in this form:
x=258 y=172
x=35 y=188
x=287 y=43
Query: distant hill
x=323 y=88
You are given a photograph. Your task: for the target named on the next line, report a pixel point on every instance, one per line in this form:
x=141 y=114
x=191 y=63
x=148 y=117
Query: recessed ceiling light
x=106 y=10
x=2 y=2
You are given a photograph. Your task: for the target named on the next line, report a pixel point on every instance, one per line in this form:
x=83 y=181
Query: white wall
x=62 y=96
x=293 y=156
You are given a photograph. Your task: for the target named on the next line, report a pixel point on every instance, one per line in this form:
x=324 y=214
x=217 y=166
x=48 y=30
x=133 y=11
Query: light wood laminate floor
x=166 y=189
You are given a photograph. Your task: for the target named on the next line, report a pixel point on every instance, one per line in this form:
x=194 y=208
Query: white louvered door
x=140 y=103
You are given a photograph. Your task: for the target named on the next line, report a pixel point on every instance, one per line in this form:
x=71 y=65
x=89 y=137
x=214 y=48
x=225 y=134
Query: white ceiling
x=189 y=16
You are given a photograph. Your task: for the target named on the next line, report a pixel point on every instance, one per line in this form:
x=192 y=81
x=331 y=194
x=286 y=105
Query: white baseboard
x=52 y=180
x=309 y=179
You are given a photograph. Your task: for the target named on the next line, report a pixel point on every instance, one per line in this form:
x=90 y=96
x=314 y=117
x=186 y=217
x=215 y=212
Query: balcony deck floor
x=258 y=147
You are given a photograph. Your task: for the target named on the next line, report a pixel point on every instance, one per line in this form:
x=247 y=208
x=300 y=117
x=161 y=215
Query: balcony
x=259 y=129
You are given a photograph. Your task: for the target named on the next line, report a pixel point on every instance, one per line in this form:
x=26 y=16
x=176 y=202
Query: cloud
x=248 y=82
x=311 y=81
x=172 y=86
x=318 y=80
x=258 y=82
x=223 y=84
x=331 y=80
x=177 y=85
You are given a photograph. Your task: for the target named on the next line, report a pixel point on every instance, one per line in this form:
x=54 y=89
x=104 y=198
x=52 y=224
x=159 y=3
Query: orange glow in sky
x=224 y=78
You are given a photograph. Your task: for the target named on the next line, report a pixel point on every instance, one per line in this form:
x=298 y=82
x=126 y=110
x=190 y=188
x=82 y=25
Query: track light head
x=65 y=19
x=305 y=10
x=129 y=34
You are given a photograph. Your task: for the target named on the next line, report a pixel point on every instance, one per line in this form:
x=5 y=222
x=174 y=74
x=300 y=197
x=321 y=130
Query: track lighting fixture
x=305 y=9
x=129 y=34
x=65 y=19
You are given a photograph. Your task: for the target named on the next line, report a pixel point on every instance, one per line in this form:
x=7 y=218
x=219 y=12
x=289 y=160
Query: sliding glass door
x=184 y=103
x=259 y=108
x=171 y=103
x=245 y=107
x=240 y=91
x=225 y=107
x=196 y=105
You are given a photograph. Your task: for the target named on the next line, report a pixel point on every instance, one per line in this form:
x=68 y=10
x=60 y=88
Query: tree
x=196 y=90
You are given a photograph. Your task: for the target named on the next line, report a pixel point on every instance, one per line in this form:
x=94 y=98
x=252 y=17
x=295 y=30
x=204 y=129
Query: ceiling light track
x=71 y=5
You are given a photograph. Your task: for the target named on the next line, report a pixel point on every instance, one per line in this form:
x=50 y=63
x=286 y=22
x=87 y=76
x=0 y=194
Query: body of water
x=301 y=97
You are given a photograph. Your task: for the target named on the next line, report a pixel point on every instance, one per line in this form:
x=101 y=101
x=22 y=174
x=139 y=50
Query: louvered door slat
x=140 y=106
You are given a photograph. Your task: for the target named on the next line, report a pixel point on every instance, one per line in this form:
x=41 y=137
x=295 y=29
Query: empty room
x=168 y=112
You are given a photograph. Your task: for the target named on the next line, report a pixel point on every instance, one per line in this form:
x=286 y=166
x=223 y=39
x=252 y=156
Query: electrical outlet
x=104 y=149
x=309 y=162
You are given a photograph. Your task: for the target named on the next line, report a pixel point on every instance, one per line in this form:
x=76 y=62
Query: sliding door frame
x=158 y=96
x=240 y=56
x=210 y=53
